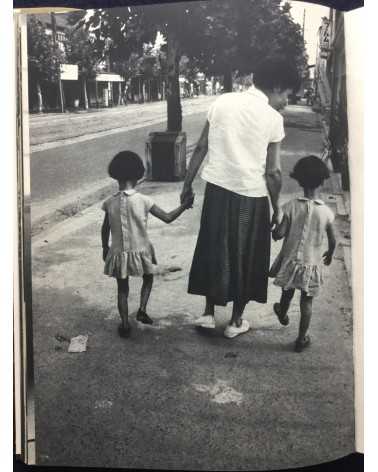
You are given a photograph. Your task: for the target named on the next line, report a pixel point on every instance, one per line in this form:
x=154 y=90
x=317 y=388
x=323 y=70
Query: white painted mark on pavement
x=103 y=404
x=221 y=392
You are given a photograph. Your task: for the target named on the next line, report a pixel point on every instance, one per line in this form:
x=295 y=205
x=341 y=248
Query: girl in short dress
x=131 y=252
x=305 y=224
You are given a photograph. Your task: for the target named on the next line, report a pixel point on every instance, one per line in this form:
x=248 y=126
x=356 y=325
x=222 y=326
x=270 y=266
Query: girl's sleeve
x=286 y=209
x=148 y=203
x=331 y=216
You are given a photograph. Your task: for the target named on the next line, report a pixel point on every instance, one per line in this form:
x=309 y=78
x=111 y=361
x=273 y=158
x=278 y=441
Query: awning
x=109 y=78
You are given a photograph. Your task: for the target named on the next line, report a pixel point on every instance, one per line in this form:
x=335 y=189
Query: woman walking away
x=241 y=139
x=305 y=224
x=131 y=252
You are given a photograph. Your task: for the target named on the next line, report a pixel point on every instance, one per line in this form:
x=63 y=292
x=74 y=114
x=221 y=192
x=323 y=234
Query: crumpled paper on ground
x=78 y=344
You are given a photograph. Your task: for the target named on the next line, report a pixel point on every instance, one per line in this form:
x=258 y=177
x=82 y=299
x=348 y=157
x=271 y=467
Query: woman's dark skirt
x=231 y=259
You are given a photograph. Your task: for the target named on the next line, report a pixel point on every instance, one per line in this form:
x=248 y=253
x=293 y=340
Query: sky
x=314 y=14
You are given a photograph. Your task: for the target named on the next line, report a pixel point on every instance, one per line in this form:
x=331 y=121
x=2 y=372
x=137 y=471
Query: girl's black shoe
x=284 y=320
x=301 y=344
x=143 y=317
x=124 y=332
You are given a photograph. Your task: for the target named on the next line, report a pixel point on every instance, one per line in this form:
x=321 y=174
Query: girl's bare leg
x=286 y=297
x=123 y=294
x=145 y=293
x=237 y=313
x=306 y=313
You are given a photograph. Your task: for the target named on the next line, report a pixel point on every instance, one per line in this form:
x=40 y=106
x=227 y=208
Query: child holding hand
x=306 y=223
x=131 y=252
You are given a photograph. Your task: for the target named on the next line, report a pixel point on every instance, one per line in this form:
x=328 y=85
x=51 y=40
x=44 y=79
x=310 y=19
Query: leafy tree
x=44 y=57
x=130 y=28
x=221 y=37
x=82 y=50
x=279 y=38
x=241 y=33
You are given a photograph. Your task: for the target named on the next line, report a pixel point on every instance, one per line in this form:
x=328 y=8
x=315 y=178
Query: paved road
x=168 y=397
x=58 y=171
x=47 y=131
x=76 y=164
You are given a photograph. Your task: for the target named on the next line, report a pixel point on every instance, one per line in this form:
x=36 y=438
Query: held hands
x=275 y=234
x=187 y=197
x=276 y=220
x=327 y=258
x=188 y=202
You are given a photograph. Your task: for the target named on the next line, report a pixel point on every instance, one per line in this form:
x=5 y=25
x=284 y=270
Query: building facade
x=104 y=90
x=331 y=91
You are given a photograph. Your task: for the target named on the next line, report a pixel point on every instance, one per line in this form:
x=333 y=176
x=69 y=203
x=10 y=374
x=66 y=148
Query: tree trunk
x=96 y=91
x=140 y=96
x=119 y=93
x=174 y=113
x=85 y=94
x=144 y=91
x=227 y=80
x=39 y=97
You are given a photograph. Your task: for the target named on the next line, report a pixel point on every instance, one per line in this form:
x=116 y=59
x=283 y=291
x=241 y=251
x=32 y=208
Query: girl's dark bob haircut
x=126 y=165
x=310 y=172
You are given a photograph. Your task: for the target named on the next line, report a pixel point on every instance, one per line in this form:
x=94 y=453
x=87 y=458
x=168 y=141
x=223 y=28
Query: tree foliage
x=127 y=30
x=44 y=57
x=239 y=34
x=82 y=50
x=219 y=37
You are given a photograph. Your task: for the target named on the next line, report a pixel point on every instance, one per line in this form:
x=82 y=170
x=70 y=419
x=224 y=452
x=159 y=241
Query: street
x=70 y=153
x=170 y=396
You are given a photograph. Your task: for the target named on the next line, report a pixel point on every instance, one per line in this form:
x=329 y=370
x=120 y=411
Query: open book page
x=355 y=92
x=155 y=346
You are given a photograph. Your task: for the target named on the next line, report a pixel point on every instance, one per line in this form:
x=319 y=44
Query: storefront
x=106 y=90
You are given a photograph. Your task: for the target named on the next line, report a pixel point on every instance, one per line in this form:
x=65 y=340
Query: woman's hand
x=275 y=234
x=188 y=202
x=186 y=194
x=276 y=218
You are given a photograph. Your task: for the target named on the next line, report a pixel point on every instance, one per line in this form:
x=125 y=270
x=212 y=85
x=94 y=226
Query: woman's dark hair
x=275 y=73
x=126 y=165
x=310 y=172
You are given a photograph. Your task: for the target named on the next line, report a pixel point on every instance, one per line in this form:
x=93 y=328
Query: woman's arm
x=170 y=216
x=105 y=233
x=196 y=160
x=327 y=256
x=274 y=180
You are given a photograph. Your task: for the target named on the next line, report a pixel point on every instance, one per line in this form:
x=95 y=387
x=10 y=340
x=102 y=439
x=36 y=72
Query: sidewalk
x=170 y=397
x=68 y=174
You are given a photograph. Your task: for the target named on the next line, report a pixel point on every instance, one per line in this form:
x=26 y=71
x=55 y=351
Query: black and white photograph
x=185 y=185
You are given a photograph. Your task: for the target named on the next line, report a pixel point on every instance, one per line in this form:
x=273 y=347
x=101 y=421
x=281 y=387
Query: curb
x=342 y=202
x=78 y=205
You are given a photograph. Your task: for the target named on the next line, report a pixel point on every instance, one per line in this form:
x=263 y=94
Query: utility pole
x=53 y=27
x=304 y=22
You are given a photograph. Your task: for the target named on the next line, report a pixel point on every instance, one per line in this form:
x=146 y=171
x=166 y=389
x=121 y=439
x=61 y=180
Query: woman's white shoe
x=232 y=331
x=205 y=321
